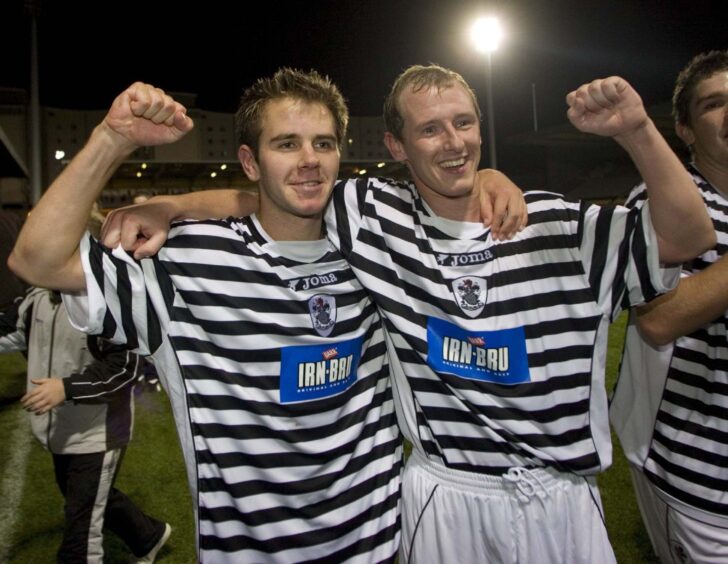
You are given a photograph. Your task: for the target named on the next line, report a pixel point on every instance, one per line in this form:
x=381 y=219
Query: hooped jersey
x=670 y=405
x=274 y=359
x=498 y=347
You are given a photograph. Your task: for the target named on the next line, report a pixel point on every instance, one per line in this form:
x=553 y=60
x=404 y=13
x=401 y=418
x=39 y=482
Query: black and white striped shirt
x=670 y=405
x=274 y=359
x=498 y=347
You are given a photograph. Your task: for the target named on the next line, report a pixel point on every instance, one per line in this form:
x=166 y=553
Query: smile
x=453 y=163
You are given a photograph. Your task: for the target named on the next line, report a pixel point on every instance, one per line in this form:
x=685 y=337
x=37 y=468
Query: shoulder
x=377 y=185
x=543 y=202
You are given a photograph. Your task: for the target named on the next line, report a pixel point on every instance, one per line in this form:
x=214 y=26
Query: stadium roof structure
x=606 y=172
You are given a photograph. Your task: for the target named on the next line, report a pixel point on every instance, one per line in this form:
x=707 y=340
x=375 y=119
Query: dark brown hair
x=308 y=86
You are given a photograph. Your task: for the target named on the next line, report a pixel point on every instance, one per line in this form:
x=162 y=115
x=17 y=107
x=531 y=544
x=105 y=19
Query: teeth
x=453 y=163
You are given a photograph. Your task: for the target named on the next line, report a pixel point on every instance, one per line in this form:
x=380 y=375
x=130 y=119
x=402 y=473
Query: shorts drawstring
x=527 y=482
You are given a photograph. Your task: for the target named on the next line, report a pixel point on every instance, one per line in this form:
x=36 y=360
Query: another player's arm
x=142 y=228
x=610 y=107
x=46 y=253
x=503 y=207
x=113 y=370
x=697 y=301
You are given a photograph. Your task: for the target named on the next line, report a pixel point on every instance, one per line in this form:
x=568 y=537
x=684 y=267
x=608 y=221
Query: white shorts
x=537 y=515
x=675 y=536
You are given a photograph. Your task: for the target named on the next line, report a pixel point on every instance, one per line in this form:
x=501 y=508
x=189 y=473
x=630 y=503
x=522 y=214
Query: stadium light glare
x=487 y=34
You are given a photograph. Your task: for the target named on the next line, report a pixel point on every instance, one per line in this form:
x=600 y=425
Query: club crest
x=323 y=313
x=470 y=292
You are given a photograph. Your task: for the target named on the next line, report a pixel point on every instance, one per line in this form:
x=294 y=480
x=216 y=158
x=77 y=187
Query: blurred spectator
x=80 y=389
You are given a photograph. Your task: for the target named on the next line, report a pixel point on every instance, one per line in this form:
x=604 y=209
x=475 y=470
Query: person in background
x=670 y=405
x=80 y=392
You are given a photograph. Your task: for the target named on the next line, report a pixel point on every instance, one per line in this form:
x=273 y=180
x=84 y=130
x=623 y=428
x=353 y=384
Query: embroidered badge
x=323 y=313
x=470 y=292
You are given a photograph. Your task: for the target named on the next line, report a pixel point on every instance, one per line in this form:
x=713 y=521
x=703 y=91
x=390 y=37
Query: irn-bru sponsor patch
x=318 y=371
x=489 y=356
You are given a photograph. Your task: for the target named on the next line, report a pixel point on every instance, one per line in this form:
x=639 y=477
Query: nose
x=309 y=157
x=453 y=141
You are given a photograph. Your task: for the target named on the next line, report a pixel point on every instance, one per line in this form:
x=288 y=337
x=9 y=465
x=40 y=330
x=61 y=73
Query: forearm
x=46 y=253
x=210 y=203
x=12 y=342
x=696 y=302
x=103 y=380
x=678 y=213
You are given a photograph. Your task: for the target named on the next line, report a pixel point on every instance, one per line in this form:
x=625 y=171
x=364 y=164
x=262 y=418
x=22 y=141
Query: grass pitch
x=153 y=475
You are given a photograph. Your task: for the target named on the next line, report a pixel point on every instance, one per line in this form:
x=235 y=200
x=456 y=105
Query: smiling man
x=279 y=386
x=438 y=135
x=500 y=345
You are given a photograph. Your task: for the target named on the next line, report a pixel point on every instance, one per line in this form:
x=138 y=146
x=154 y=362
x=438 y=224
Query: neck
x=287 y=227
x=714 y=172
x=465 y=207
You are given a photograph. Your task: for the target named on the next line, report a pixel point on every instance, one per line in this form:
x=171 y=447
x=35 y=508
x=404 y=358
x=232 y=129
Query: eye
x=463 y=123
x=286 y=145
x=713 y=104
x=325 y=145
x=429 y=130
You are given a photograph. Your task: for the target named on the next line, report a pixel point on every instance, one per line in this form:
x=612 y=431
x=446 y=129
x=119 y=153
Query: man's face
x=297 y=162
x=708 y=128
x=440 y=141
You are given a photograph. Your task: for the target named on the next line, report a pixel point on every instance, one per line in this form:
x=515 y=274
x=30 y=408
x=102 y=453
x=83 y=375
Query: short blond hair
x=420 y=77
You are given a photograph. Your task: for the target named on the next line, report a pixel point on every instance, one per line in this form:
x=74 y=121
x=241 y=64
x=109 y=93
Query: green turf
x=626 y=531
x=153 y=475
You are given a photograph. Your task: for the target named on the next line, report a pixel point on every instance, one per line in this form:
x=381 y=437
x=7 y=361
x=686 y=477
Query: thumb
x=182 y=121
x=151 y=246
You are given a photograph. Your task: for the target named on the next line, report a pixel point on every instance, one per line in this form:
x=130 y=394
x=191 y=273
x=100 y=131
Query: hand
x=501 y=204
x=140 y=229
x=143 y=115
x=49 y=393
x=609 y=107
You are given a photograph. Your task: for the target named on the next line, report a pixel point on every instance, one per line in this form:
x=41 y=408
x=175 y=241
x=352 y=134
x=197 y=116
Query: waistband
x=527 y=482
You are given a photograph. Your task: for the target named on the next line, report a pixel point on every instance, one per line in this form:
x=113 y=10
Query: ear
x=395 y=147
x=250 y=165
x=685 y=133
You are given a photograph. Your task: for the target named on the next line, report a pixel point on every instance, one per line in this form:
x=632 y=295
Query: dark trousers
x=92 y=504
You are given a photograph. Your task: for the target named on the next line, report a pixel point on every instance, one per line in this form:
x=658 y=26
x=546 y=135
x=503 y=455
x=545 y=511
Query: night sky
x=217 y=48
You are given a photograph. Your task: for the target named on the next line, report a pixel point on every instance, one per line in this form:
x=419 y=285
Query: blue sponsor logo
x=318 y=371
x=489 y=356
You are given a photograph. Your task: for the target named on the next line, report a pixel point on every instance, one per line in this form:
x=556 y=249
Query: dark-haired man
x=670 y=406
x=271 y=352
